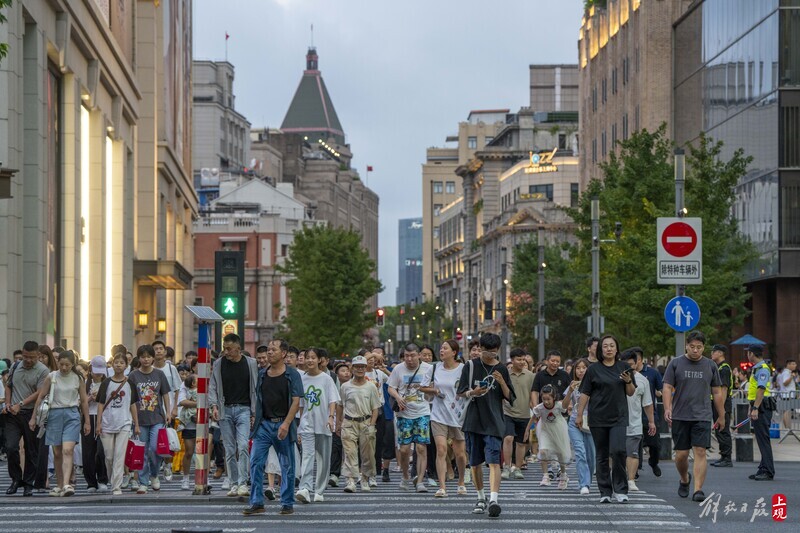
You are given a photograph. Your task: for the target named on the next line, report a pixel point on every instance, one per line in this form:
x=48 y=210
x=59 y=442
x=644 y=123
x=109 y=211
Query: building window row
x=545 y=191
x=437 y=187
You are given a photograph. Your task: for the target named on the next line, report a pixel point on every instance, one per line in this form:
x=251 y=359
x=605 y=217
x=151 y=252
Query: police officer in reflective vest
x=762 y=404
x=723 y=434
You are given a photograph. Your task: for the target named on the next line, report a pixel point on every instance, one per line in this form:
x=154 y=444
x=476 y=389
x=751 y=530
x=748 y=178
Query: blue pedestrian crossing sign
x=682 y=313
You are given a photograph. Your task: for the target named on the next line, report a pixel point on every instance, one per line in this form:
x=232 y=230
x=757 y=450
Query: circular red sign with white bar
x=679 y=239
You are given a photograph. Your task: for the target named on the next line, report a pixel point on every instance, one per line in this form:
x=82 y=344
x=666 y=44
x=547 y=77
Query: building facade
x=221 y=135
x=316 y=160
x=96 y=120
x=624 y=49
x=260 y=219
x=441 y=186
x=737 y=78
x=409 y=253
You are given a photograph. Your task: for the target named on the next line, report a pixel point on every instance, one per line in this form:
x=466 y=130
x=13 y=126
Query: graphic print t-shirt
x=117 y=414
x=151 y=387
x=485 y=413
x=318 y=393
x=448 y=409
x=416 y=404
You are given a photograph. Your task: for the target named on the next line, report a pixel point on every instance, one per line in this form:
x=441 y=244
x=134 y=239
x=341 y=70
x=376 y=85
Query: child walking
x=551 y=430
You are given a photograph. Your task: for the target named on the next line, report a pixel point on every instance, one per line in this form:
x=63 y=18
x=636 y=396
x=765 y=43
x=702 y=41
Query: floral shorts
x=416 y=430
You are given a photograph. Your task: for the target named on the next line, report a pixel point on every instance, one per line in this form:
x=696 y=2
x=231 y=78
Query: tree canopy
x=332 y=278
x=637 y=188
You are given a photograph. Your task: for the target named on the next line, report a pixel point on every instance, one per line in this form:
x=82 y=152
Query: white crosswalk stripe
x=526 y=507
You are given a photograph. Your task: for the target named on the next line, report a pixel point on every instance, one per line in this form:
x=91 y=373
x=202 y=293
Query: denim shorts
x=63 y=425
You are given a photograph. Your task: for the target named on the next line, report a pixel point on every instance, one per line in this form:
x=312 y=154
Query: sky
x=401 y=75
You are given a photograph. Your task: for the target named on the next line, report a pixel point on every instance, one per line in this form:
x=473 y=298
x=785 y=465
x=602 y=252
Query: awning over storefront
x=163 y=274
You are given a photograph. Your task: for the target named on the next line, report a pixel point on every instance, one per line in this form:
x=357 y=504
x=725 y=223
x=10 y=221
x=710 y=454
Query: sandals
x=441 y=493
x=55 y=492
x=68 y=490
x=462 y=491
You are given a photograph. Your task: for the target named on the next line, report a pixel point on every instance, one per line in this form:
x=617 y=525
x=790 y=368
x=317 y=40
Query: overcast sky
x=401 y=74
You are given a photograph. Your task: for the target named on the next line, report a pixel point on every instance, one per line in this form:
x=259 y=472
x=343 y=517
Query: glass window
x=437 y=187
x=594 y=150
x=437 y=208
x=603 y=144
x=625 y=127
x=488 y=139
x=541 y=192
x=790 y=209
x=472 y=143
x=450 y=187
x=574 y=194
x=790 y=45
x=562 y=141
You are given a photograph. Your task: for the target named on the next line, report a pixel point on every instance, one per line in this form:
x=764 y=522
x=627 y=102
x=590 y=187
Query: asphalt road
x=526 y=507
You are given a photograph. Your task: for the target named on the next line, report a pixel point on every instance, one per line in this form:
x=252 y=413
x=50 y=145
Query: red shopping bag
x=162 y=444
x=134 y=455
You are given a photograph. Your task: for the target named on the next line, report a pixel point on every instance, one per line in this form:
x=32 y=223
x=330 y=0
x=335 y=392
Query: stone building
x=221 y=135
x=95 y=117
x=624 y=49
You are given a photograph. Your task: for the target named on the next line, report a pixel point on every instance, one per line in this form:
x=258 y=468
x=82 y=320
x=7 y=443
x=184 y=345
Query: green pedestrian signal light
x=229 y=306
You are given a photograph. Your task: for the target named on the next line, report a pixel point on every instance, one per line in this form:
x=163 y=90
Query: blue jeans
x=235 y=429
x=583 y=445
x=266 y=437
x=152 y=462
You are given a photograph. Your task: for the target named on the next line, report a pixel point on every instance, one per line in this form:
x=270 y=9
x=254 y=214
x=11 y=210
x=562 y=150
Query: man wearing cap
x=723 y=434
x=22 y=390
x=762 y=404
x=356 y=415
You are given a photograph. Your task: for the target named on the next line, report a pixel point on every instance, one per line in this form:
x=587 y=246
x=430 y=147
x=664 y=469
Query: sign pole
x=541 y=322
x=595 y=267
x=203 y=374
x=680 y=211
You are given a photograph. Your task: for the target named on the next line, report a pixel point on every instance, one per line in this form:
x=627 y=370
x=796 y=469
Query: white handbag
x=44 y=408
x=174 y=441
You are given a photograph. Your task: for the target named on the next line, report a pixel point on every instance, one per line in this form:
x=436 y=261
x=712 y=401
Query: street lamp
x=161 y=325
x=142 y=320
x=541 y=325
x=596 y=241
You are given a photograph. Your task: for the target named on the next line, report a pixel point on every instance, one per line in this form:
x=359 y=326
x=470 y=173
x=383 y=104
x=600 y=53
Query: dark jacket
x=295 y=391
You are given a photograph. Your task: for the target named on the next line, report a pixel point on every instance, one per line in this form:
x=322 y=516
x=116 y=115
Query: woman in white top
x=64 y=418
x=447 y=413
x=116 y=414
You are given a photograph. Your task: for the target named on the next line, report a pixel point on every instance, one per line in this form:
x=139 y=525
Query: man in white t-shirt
x=787 y=383
x=641 y=399
x=414 y=415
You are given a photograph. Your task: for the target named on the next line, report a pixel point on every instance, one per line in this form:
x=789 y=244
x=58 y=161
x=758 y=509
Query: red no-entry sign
x=679 y=239
x=459 y=335
x=679 y=257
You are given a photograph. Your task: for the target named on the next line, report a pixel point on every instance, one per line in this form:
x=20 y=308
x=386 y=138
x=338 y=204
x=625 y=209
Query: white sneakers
x=226 y=483
x=351 y=486
x=234 y=491
x=584 y=491
x=506 y=473
x=621 y=498
x=545 y=482
x=303 y=496
x=185 y=483
x=365 y=486
x=421 y=487
x=244 y=490
x=318 y=498
x=632 y=486
x=155 y=483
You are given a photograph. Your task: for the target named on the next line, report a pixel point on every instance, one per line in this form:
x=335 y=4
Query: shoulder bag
x=393 y=401
x=115 y=393
x=44 y=407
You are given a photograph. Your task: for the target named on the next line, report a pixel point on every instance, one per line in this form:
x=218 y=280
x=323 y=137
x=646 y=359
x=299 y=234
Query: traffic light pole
x=201 y=486
x=541 y=324
x=595 y=266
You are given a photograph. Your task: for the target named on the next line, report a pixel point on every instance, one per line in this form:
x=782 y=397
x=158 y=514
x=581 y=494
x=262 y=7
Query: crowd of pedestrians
x=309 y=425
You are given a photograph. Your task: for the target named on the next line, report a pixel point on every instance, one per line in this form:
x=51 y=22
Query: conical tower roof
x=311 y=112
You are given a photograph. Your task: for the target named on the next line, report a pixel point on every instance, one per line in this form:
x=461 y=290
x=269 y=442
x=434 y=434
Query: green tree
x=332 y=279
x=638 y=187
x=562 y=317
x=3 y=20
x=428 y=323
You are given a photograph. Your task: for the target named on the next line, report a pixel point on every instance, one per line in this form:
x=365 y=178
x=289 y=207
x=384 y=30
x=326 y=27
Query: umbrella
x=747 y=340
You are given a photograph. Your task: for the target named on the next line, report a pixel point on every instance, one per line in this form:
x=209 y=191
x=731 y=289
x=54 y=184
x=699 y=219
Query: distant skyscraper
x=409 y=260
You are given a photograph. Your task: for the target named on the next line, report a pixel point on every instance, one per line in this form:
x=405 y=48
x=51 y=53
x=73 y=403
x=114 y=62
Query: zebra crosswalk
x=525 y=507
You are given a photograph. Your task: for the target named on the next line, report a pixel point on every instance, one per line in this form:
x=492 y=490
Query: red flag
x=227 y=36
x=369 y=168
